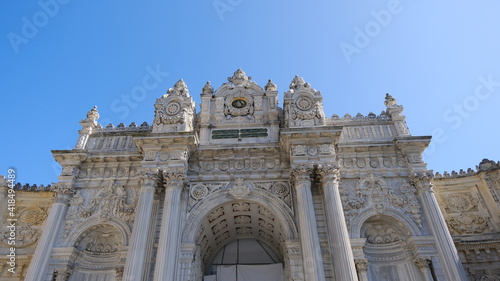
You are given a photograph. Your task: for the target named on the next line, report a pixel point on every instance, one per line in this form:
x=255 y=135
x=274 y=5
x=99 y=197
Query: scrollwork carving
x=468 y=223
x=239 y=190
x=373 y=192
x=103 y=204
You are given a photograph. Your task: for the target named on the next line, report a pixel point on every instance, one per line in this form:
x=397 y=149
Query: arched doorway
x=259 y=223
x=100 y=248
x=245 y=259
x=387 y=250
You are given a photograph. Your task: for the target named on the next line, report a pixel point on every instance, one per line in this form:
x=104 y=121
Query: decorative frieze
x=303 y=150
x=100 y=143
x=102 y=172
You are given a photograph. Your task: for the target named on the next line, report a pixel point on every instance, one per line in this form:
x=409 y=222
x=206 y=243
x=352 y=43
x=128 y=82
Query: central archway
x=246 y=259
x=221 y=220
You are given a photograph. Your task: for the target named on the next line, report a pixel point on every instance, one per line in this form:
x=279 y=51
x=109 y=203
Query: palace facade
x=248 y=190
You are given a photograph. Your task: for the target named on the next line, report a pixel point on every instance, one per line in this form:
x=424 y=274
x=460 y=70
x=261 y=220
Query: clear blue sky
x=440 y=59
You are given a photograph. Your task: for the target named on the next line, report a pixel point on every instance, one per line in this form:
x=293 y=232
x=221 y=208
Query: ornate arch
x=395 y=217
x=77 y=234
x=201 y=210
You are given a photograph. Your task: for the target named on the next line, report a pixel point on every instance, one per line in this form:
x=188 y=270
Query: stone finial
x=298 y=82
x=389 y=100
x=239 y=77
x=207 y=89
x=486 y=165
x=180 y=89
x=270 y=86
x=93 y=114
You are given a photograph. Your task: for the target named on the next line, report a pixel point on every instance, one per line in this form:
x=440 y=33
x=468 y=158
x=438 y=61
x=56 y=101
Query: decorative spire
x=180 y=89
x=207 y=89
x=270 y=86
x=389 y=100
x=298 y=82
x=239 y=77
x=93 y=114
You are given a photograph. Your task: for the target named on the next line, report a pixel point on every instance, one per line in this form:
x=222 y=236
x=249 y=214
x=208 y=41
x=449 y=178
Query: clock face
x=239 y=103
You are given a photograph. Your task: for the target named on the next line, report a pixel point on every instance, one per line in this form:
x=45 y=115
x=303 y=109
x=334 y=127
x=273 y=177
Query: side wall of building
x=469 y=201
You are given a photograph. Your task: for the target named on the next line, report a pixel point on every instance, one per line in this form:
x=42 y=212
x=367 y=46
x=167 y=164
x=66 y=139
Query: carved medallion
x=199 y=191
x=304 y=103
x=281 y=189
x=32 y=216
x=173 y=108
x=239 y=190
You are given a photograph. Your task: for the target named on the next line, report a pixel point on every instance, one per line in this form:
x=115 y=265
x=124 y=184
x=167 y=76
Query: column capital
x=301 y=172
x=62 y=274
x=148 y=180
x=361 y=264
x=328 y=173
x=423 y=263
x=175 y=178
x=63 y=192
x=422 y=182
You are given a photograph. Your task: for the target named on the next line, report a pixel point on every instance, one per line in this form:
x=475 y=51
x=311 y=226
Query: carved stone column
x=424 y=266
x=340 y=244
x=362 y=267
x=450 y=261
x=168 y=246
x=311 y=251
x=136 y=257
x=41 y=257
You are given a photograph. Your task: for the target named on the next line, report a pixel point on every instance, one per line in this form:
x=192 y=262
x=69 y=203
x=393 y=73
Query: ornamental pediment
x=239 y=110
